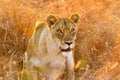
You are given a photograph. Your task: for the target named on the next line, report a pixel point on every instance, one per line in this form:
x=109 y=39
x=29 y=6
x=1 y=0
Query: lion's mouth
x=65 y=50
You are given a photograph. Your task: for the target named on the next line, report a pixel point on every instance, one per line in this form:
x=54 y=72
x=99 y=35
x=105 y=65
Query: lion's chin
x=66 y=50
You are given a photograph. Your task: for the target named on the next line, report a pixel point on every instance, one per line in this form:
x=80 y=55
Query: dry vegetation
x=97 y=51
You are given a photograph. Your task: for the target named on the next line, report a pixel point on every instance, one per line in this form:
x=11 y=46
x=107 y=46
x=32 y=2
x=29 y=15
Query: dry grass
x=98 y=40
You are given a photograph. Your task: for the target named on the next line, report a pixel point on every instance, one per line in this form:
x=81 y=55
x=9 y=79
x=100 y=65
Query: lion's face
x=64 y=31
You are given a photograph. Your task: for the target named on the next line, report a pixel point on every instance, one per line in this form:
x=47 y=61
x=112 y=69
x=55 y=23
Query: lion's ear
x=51 y=20
x=75 y=18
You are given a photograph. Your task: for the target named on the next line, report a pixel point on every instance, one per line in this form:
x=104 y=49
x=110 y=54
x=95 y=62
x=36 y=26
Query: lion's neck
x=47 y=44
x=52 y=44
x=69 y=59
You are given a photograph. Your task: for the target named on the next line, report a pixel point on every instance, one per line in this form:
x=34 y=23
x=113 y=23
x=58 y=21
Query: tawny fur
x=44 y=51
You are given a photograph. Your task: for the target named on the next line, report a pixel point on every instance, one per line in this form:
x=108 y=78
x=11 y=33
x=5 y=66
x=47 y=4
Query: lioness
x=51 y=47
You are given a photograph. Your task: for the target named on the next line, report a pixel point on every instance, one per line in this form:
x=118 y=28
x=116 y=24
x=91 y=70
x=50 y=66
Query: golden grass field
x=97 y=52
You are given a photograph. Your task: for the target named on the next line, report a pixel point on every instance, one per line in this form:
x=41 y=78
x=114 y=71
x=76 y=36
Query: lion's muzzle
x=66 y=50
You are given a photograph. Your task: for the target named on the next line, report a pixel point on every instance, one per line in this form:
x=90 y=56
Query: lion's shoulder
x=39 y=27
x=37 y=37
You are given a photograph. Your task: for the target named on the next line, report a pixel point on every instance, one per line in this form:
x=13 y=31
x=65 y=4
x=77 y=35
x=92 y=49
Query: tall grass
x=98 y=40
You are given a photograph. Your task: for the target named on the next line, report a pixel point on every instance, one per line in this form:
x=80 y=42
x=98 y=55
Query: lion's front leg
x=53 y=74
x=55 y=68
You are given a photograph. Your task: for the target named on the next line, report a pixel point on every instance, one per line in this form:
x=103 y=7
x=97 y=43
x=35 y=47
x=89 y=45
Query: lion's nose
x=68 y=43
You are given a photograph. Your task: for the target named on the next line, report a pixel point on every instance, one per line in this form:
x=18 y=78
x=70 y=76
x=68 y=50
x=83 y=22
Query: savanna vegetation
x=97 y=52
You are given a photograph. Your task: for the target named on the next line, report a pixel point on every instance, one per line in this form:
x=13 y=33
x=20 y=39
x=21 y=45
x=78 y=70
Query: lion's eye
x=59 y=31
x=72 y=30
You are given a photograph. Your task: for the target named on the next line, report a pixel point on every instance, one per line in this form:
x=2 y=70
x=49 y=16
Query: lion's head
x=64 y=30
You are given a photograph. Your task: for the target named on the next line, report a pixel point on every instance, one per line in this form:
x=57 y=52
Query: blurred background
x=97 y=52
